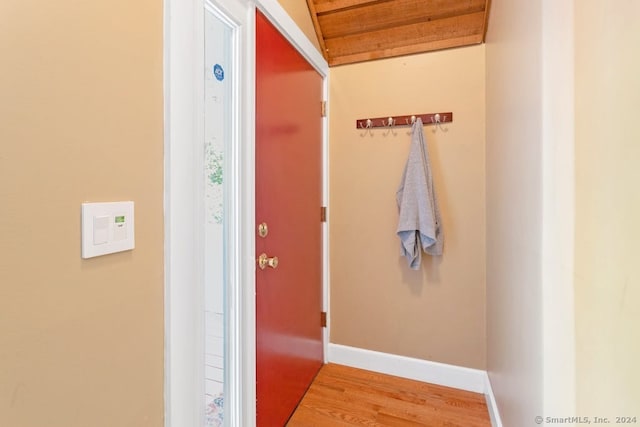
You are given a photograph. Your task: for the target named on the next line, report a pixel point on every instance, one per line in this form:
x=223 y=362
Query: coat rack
x=387 y=122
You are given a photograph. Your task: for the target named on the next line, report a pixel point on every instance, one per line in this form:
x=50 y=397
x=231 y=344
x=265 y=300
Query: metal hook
x=390 y=122
x=368 y=126
x=413 y=120
x=438 y=122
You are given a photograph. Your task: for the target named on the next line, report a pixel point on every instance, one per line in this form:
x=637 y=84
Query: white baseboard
x=474 y=380
x=416 y=369
x=492 y=406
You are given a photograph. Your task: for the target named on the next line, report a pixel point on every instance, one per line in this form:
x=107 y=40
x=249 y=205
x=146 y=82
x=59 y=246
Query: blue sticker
x=218 y=72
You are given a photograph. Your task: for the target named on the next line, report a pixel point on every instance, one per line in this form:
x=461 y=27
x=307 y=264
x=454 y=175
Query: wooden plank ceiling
x=362 y=30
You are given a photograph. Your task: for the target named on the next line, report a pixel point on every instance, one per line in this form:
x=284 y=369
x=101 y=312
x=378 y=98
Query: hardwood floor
x=344 y=396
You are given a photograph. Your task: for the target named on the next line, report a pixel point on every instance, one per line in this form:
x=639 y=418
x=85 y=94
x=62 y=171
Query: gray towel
x=419 y=225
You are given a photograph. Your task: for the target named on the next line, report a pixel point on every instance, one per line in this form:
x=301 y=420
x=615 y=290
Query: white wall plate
x=107 y=228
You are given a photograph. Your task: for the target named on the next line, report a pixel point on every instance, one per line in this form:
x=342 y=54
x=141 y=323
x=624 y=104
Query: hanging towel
x=419 y=225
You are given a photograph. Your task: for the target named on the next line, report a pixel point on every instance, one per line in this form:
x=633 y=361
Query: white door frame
x=184 y=309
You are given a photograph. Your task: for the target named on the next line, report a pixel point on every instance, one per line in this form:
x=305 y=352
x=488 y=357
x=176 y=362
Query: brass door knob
x=264 y=261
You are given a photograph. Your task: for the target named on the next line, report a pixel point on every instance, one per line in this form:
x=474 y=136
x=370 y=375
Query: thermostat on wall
x=107 y=228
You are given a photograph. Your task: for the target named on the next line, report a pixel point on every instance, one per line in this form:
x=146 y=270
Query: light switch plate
x=101 y=230
x=107 y=228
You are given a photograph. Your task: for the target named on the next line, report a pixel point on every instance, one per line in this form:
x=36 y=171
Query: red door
x=288 y=201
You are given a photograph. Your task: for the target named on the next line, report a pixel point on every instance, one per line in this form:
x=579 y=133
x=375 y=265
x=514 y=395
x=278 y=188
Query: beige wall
x=377 y=302
x=81 y=110
x=299 y=12
x=607 y=273
x=514 y=209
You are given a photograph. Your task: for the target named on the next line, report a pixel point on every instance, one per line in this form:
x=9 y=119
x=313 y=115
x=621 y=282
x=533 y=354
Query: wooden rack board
x=383 y=122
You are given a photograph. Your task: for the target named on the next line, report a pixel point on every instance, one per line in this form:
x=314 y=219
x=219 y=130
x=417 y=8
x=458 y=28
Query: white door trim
x=287 y=26
x=183 y=61
x=181 y=330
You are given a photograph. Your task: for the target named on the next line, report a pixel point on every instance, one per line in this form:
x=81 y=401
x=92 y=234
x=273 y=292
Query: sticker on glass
x=218 y=72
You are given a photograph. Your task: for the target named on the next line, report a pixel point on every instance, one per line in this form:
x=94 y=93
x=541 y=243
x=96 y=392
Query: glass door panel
x=218 y=117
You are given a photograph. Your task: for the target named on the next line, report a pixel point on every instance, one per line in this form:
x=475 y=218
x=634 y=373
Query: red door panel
x=288 y=200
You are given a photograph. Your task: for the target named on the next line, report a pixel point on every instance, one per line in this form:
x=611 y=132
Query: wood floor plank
x=344 y=396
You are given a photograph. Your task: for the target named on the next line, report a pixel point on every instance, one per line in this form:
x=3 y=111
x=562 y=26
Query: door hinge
x=323 y=319
x=323 y=109
x=323 y=214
